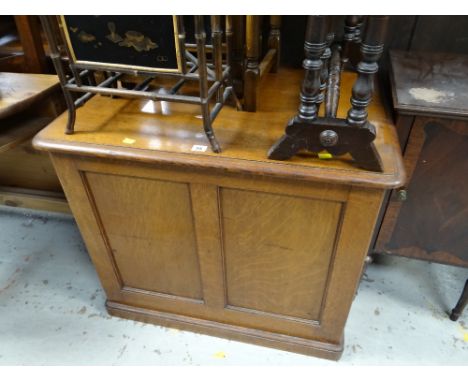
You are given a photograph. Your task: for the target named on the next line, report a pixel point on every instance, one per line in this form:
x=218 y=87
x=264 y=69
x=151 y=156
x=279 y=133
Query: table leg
x=458 y=310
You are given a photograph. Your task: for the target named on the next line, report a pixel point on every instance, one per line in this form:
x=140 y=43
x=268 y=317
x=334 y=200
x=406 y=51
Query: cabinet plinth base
x=232 y=332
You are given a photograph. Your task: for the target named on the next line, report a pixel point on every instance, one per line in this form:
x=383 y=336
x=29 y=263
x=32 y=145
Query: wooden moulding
x=254 y=336
x=33 y=199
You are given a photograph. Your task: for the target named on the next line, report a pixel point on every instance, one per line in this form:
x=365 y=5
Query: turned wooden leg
x=252 y=70
x=274 y=39
x=462 y=302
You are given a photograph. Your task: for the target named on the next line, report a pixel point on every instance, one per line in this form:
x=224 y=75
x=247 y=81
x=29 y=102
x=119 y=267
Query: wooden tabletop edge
x=232 y=165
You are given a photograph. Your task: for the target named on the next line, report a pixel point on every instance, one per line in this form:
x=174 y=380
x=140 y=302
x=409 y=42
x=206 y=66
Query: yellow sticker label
x=465 y=336
x=325 y=155
x=129 y=141
x=219 y=355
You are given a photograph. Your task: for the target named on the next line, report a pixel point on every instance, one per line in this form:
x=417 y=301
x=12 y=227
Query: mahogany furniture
x=462 y=302
x=427 y=219
x=231 y=244
x=28 y=102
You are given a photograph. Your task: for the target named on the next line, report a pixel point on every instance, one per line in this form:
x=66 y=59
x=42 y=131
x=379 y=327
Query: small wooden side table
x=427 y=219
x=230 y=244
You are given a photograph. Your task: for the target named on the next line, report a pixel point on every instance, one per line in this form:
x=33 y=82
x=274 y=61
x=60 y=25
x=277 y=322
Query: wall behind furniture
x=447 y=34
x=422 y=33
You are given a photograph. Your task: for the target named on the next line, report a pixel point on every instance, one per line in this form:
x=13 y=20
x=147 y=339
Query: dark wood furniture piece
x=355 y=134
x=462 y=302
x=230 y=244
x=21 y=45
x=427 y=219
x=28 y=102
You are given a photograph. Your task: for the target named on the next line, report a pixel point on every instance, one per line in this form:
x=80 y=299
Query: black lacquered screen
x=144 y=41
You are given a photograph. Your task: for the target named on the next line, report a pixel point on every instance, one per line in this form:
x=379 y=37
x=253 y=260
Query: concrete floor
x=52 y=311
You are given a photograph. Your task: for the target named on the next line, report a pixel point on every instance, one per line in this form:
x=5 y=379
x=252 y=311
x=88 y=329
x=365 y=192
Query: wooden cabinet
x=428 y=218
x=233 y=244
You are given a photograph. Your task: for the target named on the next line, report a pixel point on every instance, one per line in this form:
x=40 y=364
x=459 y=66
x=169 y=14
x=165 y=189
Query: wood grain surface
x=150 y=132
x=18 y=91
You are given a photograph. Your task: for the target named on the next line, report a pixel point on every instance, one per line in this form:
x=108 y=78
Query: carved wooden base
x=331 y=134
x=234 y=332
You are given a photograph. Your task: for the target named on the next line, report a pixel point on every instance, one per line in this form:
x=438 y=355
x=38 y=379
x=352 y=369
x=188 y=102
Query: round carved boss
x=328 y=138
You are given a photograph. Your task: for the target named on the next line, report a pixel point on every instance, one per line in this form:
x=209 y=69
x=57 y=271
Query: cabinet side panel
x=277 y=252
x=149 y=227
x=432 y=223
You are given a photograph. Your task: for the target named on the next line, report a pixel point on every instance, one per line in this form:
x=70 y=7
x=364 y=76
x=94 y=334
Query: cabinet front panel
x=277 y=252
x=149 y=228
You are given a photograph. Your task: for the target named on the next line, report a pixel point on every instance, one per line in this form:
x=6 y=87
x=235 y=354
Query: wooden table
x=28 y=102
x=229 y=244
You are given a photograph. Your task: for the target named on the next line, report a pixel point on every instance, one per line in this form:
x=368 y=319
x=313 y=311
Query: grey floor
x=52 y=311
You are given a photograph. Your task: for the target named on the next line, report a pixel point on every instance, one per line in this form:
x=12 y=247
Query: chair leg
x=462 y=302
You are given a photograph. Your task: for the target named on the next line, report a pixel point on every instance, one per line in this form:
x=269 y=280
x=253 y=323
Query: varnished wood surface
x=271 y=261
x=430 y=84
x=15 y=132
x=18 y=91
x=29 y=30
x=166 y=133
x=431 y=224
x=157 y=232
x=28 y=102
x=256 y=276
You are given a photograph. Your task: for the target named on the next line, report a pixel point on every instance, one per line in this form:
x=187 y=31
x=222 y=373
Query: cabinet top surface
x=19 y=90
x=430 y=83
x=166 y=133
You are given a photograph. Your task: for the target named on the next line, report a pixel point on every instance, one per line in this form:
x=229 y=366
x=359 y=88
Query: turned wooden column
x=324 y=73
x=252 y=71
x=314 y=47
x=274 y=40
x=371 y=50
x=181 y=42
x=351 y=29
x=235 y=34
x=336 y=136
